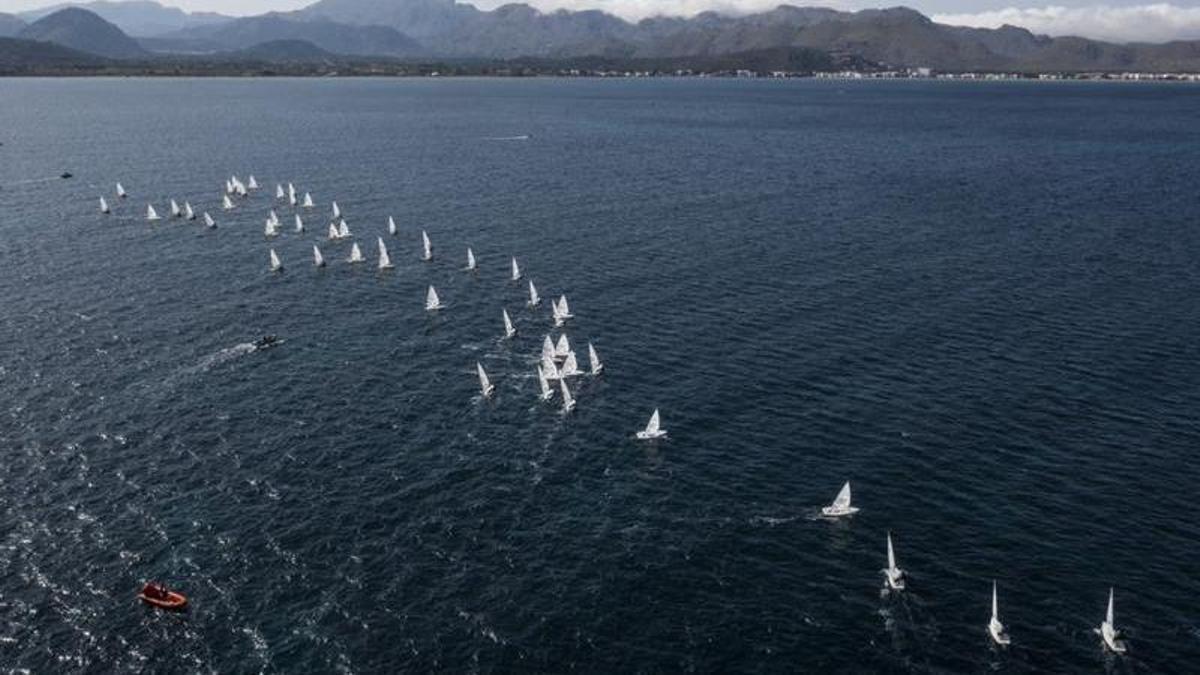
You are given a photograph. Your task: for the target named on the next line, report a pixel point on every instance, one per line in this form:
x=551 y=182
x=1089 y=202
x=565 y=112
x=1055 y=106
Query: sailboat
x=276 y=265
x=544 y=384
x=252 y=184
x=226 y=203
x=509 y=331
x=343 y=230
x=175 y=210
x=563 y=310
x=841 y=505
x=299 y=223
x=318 y=259
x=151 y=214
x=594 y=360
x=279 y=191
x=470 y=259
x=104 y=206
x=208 y=220
x=273 y=217
x=391 y=226
x=291 y=194
x=432 y=303
x=533 y=295
x=516 y=270
x=427 y=255
x=385 y=262
x=485 y=385
x=568 y=400
x=563 y=348
x=995 y=628
x=549 y=369
x=559 y=319
x=893 y=574
x=333 y=231
x=570 y=367
x=308 y=202
x=188 y=212
x=652 y=430
x=337 y=213
x=548 y=348
x=121 y=192
x=269 y=229
x=356 y=255
x=1108 y=631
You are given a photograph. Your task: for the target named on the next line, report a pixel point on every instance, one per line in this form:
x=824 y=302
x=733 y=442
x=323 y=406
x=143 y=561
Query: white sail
x=291 y=194
x=333 y=231
x=516 y=270
x=175 y=210
x=318 y=259
x=273 y=217
x=308 y=201
x=426 y=246
x=228 y=186
x=208 y=220
x=356 y=255
x=432 y=302
x=563 y=347
x=299 y=223
x=337 y=213
x=509 y=331
x=239 y=187
x=563 y=309
x=276 y=265
x=485 y=385
x=121 y=192
x=227 y=203
x=151 y=214
x=533 y=295
x=548 y=348
x=279 y=191
x=594 y=360
x=391 y=226
x=252 y=184
x=570 y=366
x=269 y=229
x=343 y=230
x=894 y=575
x=841 y=505
x=188 y=212
x=568 y=400
x=103 y=206
x=385 y=261
x=544 y=384
x=470 y=259
x=652 y=430
x=995 y=628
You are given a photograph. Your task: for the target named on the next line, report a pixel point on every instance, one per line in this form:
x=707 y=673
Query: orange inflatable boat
x=162 y=597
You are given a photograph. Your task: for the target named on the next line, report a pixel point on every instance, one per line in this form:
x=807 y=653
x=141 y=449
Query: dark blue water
x=978 y=302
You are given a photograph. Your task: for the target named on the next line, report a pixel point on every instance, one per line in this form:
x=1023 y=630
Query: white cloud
x=1138 y=23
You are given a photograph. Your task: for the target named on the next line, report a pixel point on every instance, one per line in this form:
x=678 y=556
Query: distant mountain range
x=443 y=29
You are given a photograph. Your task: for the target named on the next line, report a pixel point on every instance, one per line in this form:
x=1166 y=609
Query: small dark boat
x=162 y=597
x=267 y=341
x=65 y=174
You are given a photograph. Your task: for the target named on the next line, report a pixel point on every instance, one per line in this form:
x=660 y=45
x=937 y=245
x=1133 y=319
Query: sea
x=976 y=302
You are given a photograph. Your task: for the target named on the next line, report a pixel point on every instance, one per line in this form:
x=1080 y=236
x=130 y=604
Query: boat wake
x=523 y=137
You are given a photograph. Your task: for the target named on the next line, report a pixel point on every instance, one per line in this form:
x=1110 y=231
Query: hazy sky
x=1121 y=20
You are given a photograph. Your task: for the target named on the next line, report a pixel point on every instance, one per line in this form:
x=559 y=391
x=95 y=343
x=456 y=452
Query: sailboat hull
x=651 y=435
x=838 y=511
x=996 y=630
